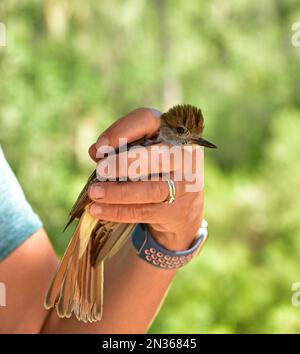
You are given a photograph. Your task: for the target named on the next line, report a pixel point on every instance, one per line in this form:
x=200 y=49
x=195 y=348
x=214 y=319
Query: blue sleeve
x=17 y=219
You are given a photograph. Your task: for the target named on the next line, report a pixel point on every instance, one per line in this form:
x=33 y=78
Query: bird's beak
x=203 y=142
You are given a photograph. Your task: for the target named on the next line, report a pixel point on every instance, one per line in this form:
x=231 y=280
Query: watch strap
x=152 y=252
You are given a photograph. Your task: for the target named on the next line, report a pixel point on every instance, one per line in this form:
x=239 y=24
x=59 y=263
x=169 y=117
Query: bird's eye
x=180 y=130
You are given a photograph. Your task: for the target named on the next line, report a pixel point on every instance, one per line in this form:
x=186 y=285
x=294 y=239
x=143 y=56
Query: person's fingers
x=133 y=213
x=93 y=152
x=141 y=192
x=140 y=123
x=144 y=161
x=186 y=208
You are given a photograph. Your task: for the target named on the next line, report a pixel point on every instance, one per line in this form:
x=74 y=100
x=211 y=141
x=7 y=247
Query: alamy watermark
x=2 y=295
x=295 y=39
x=296 y=296
x=182 y=163
x=2 y=34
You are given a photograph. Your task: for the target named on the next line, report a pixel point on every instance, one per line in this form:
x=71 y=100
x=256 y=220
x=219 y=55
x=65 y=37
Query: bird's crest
x=185 y=115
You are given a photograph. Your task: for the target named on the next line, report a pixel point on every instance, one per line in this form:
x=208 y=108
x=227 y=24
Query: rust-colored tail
x=77 y=285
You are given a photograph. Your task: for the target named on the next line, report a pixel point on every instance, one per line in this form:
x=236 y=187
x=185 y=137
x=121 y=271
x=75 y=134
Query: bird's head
x=182 y=125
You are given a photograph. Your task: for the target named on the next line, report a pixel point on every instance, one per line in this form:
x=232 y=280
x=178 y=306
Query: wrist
x=158 y=255
x=173 y=241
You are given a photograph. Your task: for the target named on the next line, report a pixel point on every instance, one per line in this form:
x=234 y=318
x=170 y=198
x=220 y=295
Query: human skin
x=173 y=225
x=134 y=289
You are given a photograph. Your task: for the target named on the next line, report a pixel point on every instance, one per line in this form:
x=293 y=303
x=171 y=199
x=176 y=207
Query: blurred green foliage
x=70 y=68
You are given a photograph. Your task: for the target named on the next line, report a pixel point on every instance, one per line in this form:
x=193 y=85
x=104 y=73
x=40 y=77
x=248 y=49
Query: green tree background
x=70 y=68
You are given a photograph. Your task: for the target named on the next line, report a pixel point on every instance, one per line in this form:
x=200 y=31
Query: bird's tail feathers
x=77 y=285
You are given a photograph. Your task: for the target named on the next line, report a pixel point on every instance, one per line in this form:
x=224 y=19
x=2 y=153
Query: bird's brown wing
x=108 y=238
x=82 y=200
x=77 y=285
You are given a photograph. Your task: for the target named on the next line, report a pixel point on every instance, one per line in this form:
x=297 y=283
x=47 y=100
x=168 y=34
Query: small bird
x=77 y=286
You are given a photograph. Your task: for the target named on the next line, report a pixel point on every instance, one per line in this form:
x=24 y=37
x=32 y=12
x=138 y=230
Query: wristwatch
x=152 y=252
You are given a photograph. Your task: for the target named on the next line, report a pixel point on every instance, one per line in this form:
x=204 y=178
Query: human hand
x=174 y=225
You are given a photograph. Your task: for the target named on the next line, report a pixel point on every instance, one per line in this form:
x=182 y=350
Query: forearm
x=26 y=274
x=133 y=292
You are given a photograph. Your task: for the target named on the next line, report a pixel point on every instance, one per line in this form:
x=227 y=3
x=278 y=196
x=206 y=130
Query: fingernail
x=95 y=210
x=156 y=112
x=96 y=192
x=92 y=150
